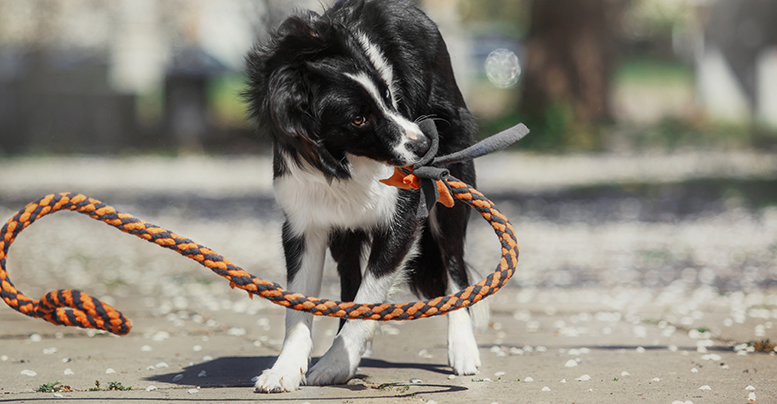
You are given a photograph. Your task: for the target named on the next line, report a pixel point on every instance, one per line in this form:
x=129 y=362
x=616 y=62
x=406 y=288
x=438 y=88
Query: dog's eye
x=358 y=120
x=387 y=95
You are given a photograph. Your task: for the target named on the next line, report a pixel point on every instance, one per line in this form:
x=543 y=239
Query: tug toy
x=78 y=309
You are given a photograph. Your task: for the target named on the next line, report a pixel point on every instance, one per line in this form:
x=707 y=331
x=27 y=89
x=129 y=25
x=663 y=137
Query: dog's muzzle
x=418 y=144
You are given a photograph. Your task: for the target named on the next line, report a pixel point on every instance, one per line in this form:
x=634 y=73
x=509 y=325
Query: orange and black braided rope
x=74 y=308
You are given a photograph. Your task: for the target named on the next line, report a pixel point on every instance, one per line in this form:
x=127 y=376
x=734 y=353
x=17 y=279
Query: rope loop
x=75 y=308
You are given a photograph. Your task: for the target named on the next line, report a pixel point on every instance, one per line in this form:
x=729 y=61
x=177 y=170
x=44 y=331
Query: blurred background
x=652 y=160
x=163 y=76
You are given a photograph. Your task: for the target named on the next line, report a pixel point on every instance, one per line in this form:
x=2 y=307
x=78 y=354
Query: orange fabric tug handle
x=402 y=180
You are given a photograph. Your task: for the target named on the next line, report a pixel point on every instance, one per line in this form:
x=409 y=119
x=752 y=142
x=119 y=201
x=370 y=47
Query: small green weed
x=48 y=387
x=118 y=386
x=112 y=386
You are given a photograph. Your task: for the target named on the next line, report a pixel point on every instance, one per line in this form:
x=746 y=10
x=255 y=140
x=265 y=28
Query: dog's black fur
x=303 y=92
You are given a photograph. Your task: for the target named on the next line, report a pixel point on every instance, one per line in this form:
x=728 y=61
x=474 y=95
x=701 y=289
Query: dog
x=341 y=94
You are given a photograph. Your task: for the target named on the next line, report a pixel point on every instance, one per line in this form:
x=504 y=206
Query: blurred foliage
x=674 y=133
x=558 y=131
x=650 y=71
x=645 y=18
x=496 y=11
x=555 y=131
x=227 y=105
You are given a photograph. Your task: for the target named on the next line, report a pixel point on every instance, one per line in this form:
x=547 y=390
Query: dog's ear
x=281 y=90
x=278 y=93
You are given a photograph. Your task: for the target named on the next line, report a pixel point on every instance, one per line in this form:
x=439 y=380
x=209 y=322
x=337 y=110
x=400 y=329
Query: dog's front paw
x=463 y=354
x=275 y=381
x=328 y=371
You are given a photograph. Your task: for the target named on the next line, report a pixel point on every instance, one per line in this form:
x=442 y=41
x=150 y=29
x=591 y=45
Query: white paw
x=463 y=353
x=333 y=368
x=323 y=375
x=464 y=360
x=275 y=381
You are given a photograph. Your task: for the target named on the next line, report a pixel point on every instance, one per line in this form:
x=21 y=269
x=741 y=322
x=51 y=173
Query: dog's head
x=323 y=91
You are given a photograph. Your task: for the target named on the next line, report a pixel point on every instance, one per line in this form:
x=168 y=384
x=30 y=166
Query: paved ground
x=614 y=310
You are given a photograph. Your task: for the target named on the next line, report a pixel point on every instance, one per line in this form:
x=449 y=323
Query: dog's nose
x=419 y=143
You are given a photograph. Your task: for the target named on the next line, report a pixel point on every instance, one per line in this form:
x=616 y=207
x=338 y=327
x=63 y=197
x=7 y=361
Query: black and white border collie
x=341 y=94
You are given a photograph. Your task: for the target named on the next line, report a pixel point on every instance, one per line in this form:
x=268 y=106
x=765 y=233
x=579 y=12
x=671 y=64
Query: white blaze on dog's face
x=356 y=105
x=411 y=141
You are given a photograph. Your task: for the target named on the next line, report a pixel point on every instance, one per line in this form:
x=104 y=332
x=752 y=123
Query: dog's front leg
x=304 y=263
x=387 y=257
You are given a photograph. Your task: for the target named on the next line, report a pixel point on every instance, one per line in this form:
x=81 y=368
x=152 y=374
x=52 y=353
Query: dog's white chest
x=310 y=202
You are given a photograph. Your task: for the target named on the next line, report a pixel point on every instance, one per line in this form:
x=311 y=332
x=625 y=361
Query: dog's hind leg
x=304 y=260
x=449 y=227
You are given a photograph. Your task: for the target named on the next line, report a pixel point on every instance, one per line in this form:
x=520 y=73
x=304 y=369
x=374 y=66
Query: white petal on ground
x=68 y=371
x=416 y=381
x=236 y=331
x=516 y=351
x=711 y=357
x=528 y=379
x=751 y=397
x=705 y=387
x=109 y=371
x=546 y=388
x=28 y=372
x=625 y=373
x=50 y=351
x=202 y=374
x=584 y=378
x=178 y=377
x=146 y=348
x=570 y=363
x=35 y=338
x=750 y=387
x=193 y=391
x=162 y=365
x=656 y=379
x=425 y=354
x=694 y=370
x=640 y=349
x=151 y=388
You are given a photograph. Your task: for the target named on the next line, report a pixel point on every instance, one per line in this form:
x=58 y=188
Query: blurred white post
x=446 y=14
x=139 y=53
x=766 y=87
x=719 y=91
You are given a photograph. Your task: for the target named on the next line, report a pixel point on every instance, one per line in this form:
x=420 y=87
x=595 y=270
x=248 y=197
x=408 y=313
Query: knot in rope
x=429 y=173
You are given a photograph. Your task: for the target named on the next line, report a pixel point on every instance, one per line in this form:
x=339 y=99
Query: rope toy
x=75 y=308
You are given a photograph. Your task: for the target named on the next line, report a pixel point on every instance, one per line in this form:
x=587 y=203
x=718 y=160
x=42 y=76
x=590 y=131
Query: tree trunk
x=570 y=50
